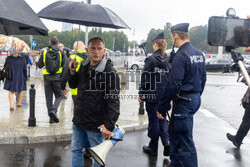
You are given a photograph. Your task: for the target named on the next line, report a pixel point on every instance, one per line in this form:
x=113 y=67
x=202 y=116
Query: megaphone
x=100 y=151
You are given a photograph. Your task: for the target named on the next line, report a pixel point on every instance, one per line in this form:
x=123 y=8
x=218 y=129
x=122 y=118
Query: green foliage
x=197 y=35
x=69 y=37
x=151 y=34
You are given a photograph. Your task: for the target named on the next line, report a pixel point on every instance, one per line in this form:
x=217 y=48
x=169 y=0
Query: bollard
x=141 y=108
x=32 y=119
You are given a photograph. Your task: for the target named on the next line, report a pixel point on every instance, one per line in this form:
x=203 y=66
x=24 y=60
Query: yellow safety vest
x=45 y=72
x=79 y=60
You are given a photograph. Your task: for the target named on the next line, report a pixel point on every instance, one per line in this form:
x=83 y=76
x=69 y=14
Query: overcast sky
x=142 y=15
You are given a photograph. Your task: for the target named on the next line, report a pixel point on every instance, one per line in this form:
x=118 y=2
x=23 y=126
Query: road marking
x=228 y=128
x=208 y=113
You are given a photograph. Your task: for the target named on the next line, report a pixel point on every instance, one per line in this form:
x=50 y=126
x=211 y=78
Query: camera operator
x=245 y=124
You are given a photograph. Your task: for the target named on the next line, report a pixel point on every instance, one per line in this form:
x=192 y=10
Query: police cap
x=158 y=36
x=183 y=27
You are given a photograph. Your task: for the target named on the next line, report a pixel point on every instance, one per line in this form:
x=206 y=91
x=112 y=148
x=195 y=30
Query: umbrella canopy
x=8 y=43
x=82 y=14
x=17 y=18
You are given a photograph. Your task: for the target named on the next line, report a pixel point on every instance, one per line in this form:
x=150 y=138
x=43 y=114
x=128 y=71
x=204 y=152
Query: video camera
x=231 y=32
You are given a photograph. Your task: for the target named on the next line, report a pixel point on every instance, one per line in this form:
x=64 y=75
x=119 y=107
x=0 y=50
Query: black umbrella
x=82 y=14
x=17 y=18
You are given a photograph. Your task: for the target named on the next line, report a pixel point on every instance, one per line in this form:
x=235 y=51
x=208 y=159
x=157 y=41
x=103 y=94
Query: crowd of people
x=175 y=83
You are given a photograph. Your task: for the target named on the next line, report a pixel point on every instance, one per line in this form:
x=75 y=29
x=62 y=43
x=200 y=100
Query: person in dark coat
x=16 y=81
x=97 y=105
x=187 y=76
x=152 y=85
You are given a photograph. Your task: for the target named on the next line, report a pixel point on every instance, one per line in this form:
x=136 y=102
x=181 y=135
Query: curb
x=217 y=73
x=57 y=138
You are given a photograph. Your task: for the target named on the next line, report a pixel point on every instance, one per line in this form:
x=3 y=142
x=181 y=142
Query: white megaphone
x=100 y=151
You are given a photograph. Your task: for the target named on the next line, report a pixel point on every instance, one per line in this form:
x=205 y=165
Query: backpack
x=52 y=61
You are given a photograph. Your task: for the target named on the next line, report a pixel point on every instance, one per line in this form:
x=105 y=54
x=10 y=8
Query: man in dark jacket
x=52 y=80
x=97 y=102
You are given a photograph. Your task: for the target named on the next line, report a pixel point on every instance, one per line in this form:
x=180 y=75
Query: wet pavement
x=222 y=96
x=220 y=113
x=209 y=134
x=13 y=124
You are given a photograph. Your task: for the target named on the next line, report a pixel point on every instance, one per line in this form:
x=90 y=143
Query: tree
x=151 y=34
x=167 y=33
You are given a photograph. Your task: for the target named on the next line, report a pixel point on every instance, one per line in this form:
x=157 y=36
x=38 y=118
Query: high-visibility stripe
x=73 y=91
x=45 y=72
x=79 y=60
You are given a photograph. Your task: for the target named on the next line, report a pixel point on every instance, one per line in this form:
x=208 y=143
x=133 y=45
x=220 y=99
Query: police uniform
x=188 y=74
x=152 y=83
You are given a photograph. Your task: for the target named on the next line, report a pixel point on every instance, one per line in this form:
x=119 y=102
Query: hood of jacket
x=159 y=60
x=101 y=66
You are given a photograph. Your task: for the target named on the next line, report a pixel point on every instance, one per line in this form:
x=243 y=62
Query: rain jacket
x=153 y=77
x=97 y=100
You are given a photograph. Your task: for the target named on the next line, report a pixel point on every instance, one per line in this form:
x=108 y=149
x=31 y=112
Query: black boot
x=232 y=138
x=147 y=150
x=166 y=149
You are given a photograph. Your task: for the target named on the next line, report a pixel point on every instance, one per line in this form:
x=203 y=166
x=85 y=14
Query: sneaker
x=166 y=149
x=232 y=138
x=54 y=117
x=147 y=150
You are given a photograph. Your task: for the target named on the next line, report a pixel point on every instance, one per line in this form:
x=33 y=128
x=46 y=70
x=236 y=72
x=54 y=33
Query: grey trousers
x=52 y=88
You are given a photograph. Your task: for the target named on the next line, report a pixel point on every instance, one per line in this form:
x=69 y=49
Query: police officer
x=52 y=81
x=188 y=74
x=152 y=84
x=79 y=56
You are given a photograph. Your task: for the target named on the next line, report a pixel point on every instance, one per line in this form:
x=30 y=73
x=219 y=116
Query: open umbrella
x=82 y=14
x=9 y=43
x=17 y=18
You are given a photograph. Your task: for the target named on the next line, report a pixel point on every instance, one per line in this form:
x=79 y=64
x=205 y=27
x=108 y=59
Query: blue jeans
x=79 y=139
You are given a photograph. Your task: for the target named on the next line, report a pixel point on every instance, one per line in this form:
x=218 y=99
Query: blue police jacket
x=153 y=78
x=188 y=71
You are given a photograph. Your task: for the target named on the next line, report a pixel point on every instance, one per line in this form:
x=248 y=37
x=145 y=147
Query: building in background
x=66 y=27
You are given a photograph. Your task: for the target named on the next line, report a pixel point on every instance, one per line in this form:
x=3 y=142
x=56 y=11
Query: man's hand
x=64 y=91
x=105 y=132
x=139 y=99
x=72 y=66
x=160 y=116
